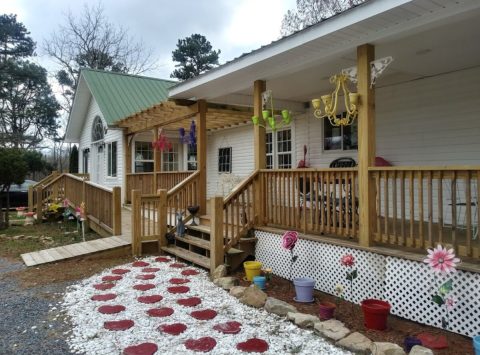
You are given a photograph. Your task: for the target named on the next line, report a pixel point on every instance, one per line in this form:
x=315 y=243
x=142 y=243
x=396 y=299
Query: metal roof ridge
x=127 y=74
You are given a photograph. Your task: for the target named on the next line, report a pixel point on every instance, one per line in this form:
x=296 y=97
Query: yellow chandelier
x=330 y=103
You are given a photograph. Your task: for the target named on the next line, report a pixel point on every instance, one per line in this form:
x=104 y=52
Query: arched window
x=98 y=130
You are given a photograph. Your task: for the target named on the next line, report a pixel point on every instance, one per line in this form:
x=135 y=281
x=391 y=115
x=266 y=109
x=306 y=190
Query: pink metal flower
x=66 y=203
x=289 y=240
x=450 y=303
x=441 y=259
x=348 y=260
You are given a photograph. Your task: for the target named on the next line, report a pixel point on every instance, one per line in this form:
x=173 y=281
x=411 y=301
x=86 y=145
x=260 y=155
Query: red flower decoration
x=289 y=240
x=348 y=260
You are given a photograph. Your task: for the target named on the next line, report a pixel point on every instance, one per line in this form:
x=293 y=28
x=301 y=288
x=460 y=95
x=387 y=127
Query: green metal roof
x=120 y=95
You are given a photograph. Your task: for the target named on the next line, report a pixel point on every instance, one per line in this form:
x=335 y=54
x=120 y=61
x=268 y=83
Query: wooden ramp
x=82 y=248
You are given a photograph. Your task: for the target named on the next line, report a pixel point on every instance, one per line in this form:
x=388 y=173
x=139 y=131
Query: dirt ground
x=352 y=317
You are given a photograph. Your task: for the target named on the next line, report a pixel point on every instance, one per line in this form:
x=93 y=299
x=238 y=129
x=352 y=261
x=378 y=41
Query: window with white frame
x=112 y=159
x=279 y=149
x=170 y=158
x=225 y=160
x=143 y=157
x=340 y=138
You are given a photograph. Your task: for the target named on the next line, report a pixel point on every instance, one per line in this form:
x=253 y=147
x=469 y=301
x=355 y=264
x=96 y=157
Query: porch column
x=201 y=118
x=366 y=144
x=127 y=149
x=156 y=161
x=259 y=148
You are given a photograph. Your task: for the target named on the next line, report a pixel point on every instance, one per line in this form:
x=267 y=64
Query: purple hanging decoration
x=182 y=135
x=193 y=134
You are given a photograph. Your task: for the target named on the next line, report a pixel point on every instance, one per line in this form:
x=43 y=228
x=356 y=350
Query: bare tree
x=91 y=41
x=309 y=12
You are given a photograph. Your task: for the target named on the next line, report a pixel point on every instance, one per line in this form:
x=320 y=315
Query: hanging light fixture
x=268 y=115
x=330 y=103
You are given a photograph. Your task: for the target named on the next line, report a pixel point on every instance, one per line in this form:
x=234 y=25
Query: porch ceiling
x=174 y=116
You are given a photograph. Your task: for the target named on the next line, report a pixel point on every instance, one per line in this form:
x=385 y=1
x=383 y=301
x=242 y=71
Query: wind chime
x=191 y=138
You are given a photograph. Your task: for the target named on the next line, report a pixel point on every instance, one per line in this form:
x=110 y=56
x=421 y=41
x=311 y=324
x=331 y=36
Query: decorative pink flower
x=450 y=303
x=442 y=260
x=348 y=260
x=66 y=203
x=289 y=240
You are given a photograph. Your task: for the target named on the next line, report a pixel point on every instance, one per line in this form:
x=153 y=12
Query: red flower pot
x=326 y=310
x=375 y=313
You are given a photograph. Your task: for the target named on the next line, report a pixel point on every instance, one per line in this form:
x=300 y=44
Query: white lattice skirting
x=406 y=285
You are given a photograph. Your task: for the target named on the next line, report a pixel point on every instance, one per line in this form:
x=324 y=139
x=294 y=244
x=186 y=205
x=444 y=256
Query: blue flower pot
x=476 y=344
x=304 y=289
x=260 y=282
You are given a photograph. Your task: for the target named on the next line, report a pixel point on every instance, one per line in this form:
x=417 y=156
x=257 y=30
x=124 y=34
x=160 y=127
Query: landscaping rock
x=356 y=342
x=237 y=291
x=383 y=348
x=3 y=236
x=17 y=237
x=278 y=307
x=254 y=297
x=220 y=271
x=302 y=320
x=420 y=350
x=332 y=329
x=226 y=282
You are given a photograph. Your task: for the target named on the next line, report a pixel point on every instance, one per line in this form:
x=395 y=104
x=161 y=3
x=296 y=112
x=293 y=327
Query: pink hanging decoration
x=162 y=143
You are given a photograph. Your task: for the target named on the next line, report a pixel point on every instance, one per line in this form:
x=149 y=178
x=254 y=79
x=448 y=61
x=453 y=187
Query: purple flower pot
x=326 y=310
x=304 y=289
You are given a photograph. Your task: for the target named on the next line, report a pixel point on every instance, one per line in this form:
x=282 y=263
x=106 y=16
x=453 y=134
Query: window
x=279 y=149
x=143 y=157
x=98 y=131
x=340 y=138
x=86 y=153
x=225 y=160
x=191 y=157
x=112 y=159
x=170 y=158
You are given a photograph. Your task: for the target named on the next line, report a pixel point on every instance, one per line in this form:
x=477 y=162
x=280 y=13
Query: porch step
x=188 y=255
x=189 y=239
x=199 y=228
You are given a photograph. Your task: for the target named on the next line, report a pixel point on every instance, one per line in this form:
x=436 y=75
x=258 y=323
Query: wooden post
x=366 y=144
x=128 y=166
x=260 y=153
x=162 y=218
x=216 y=233
x=156 y=161
x=30 y=198
x=136 y=223
x=201 y=117
x=117 y=210
x=39 y=204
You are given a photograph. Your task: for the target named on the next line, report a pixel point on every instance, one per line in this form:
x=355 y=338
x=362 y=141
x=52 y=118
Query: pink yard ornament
x=348 y=260
x=442 y=260
x=289 y=240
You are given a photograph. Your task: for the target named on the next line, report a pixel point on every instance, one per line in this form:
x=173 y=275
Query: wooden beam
x=136 y=223
x=259 y=149
x=366 y=144
x=216 y=233
x=202 y=154
x=162 y=218
x=117 y=210
x=156 y=160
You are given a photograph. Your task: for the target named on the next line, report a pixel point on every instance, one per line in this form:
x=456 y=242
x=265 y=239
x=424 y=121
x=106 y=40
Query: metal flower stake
x=348 y=260
x=442 y=262
x=289 y=240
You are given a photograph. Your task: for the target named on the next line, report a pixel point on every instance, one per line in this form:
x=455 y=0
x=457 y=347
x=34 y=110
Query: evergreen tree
x=195 y=56
x=14 y=39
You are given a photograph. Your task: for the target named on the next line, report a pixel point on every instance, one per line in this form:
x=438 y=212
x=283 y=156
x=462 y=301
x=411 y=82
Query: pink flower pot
x=326 y=310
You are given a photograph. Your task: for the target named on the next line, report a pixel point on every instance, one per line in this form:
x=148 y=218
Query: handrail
x=52 y=181
x=45 y=179
x=426 y=168
x=238 y=189
x=308 y=170
x=182 y=183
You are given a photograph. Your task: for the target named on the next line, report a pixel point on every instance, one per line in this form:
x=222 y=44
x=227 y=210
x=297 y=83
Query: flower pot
x=375 y=313
x=304 y=289
x=260 y=282
x=252 y=269
x=265 y=114
x=326 y=310
x=476 y=344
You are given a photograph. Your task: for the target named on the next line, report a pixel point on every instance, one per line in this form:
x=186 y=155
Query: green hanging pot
x=265 y=114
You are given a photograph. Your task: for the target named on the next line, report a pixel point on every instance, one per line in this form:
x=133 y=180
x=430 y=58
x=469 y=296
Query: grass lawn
x=38 y=237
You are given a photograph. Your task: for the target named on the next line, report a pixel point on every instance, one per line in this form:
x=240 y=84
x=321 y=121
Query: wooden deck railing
x=181 y=196
x=238 y=211
x=312 y=200
x=419 y=207
x=102 y=204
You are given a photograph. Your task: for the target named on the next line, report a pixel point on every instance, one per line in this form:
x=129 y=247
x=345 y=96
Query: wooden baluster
x=420 y=210
x=412 y=209
x=379 y=206
x=329 y=206
x=216 y=234
x=468 y=211
x=237 y=227
x=136 y=223
x=477 y=203
x=394 y=206
x=313 y=205
x=386 y=207
x=304 y=214
x=430 y=209
x=334 y=198
x=348 y=203
x=454 y=209
x=322 y=201
x=340 y=202
x=117 y=210
x=354 y=203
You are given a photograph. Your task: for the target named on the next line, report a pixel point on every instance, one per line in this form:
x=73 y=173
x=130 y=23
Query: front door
x=100 y=168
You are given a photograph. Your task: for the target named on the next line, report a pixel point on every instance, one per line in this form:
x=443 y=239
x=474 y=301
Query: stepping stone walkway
x=201 y=316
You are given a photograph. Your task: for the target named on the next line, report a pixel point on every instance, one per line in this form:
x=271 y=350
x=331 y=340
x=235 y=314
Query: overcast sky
x=234 y=27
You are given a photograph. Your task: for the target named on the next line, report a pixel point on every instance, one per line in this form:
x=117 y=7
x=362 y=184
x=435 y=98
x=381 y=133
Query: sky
x=234 y=27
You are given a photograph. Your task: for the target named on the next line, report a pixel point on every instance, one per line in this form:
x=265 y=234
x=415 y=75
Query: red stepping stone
x=189 y=272
x=178 y=289
x=144 y=287
x=120 y=271
x=140 y=264
x=150 y=269
x=177 y=265
x=103 y=287
x=173 y=329
x=204 y=344
x=150 y=299
x=107 y=309
x=141 y=349
x=228 y=327
x=253 y=345
x=145 y=276
x=189 y=302
x=105 y=297
x=112 y=278
x=176 y=281
x=162 y=259
x=160 y=312
x=205 y=314
x=118 y=324
x=433 y=341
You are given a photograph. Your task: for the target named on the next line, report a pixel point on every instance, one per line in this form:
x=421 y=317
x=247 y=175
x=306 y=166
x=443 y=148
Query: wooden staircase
x=194 y=246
